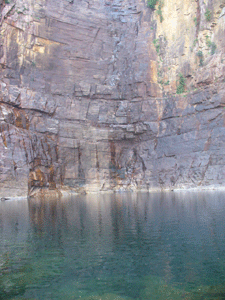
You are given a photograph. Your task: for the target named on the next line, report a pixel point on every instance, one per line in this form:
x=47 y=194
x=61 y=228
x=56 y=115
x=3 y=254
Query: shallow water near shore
x=114 y=246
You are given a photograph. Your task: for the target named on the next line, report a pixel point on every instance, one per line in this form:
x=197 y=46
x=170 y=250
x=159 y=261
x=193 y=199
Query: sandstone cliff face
x=88 y=95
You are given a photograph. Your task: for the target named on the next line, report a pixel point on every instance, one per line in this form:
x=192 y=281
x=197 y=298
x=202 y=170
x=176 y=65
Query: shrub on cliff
x=159 y=11
x=181 y=86
x=208 y=15
x=200 y=55
x=152 y=3
x=212 y=46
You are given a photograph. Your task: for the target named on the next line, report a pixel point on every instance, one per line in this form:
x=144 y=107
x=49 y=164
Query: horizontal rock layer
x=88 y=95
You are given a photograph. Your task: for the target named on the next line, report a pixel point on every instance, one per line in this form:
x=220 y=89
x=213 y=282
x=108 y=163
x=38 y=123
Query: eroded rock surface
x=88 y=95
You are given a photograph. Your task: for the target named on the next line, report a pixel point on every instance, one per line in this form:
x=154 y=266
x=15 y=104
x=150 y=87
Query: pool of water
x=166 y=246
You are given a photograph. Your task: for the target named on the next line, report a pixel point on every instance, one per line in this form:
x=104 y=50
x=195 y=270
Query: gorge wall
x=111 y=94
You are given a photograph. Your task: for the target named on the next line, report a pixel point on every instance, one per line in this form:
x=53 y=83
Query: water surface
x=114 y=246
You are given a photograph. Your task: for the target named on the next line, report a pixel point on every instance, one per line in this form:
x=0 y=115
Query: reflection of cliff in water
x=104 y=215
x=48 y=219
x=146 y=229
x=125 y=242
x=138 y=213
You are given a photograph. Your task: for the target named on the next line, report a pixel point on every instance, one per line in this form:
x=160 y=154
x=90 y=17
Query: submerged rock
x=157 y=288
x=107 y=296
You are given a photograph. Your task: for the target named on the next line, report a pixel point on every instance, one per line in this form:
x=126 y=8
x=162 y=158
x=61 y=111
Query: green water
x=165 y=246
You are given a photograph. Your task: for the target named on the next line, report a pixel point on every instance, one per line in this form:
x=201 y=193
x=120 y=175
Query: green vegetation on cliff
x=181 y=86
x=159 y=11
x=212 y=46
x=208 y=15
x=152 y=3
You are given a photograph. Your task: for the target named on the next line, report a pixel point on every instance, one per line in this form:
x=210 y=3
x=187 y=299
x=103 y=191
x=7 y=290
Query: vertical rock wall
x=88 y=95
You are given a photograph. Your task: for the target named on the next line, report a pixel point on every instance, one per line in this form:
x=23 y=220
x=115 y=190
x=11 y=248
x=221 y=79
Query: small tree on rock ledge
x=152 y=3
x=181 y=86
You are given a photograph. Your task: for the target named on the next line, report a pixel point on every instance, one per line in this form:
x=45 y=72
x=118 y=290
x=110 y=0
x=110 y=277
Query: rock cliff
x=111 y=94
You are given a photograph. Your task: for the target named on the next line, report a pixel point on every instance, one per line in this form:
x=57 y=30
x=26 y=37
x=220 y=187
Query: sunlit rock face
x=88 y=95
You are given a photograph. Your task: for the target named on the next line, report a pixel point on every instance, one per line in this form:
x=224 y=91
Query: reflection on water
x=114 y=246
